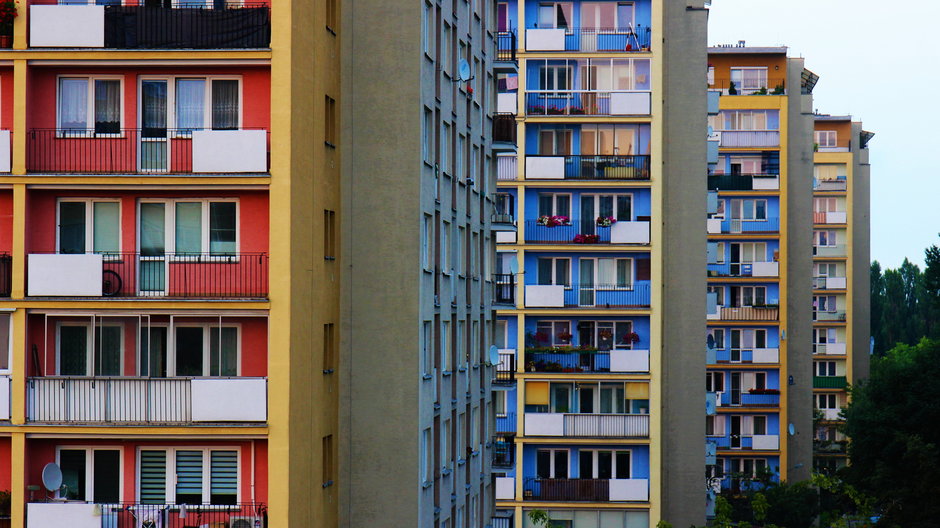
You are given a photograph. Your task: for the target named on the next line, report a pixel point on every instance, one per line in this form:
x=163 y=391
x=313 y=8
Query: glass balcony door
x=154 y=148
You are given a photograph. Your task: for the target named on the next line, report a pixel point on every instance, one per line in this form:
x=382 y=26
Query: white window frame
x=554 y=276
x=172 y=118
x=822 y=368
x=557 y=135
x=612 y=327
x=826 y=138
x=749 y=206
x=719 y=425
x=555 y=330
x=555 y=196
x=169 y=220
x=719 y=292
x=551 y=463
x=9 y=343
x=758 y=251
x=89 y=467
x=826 y=401
x=712 y=382
x=89 y=220
x=830 y=237
x=740 y=70
x=829 y=300
x=607 y=286
x=427 y=229
x=89 y=346
x=89 y=130
x=754 y=290
x=206 y=347
x=613 y=461
x=206 y=470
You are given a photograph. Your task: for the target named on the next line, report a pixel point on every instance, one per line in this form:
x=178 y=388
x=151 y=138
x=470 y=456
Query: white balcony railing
x=830 y=349
x=4 y=397
x=505 y=488
x=587 y=425
x=750 y=138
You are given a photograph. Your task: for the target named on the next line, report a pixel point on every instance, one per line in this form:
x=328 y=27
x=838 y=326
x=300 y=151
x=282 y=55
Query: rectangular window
x=329 y=348
x=329 y=234
x=329 y=126
x=445 y=148
x=554 y=204
x=91 y=475
x=427 y=134
x=427 y=446
x=426 y=242
x=200 y=103
x=87 y=225
x=327 y=460
x=195 y=227
x=825 y=368
x=613 y=273
x=89 y=105
x=749 y=80
x=74 y=343
x=553 y=333
x=427 y=346
x=825 y=138
x=188 y=476
x=554 y=271
x=205 y=350
x=446 y=344
x=332 y=16
x=447 y=265
x=428 y=34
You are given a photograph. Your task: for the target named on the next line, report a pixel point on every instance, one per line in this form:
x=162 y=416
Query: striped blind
x=188 y=474
x=224 y=476
x=153 y=477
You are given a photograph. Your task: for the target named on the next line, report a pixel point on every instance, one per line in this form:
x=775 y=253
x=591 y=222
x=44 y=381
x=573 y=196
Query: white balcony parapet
x=538 y=296
x=833 y=349
x=629 y=490
x=506 y=103
x=544 y=424
x=5 y=159
x=835 y=283
x=830 y=251
x=505 y=488
x=64 y=275
x=765 y=442
x=4 y=397
x=66 y=26
x=765 y=269
x=606 y=425
x=630 y=233
x=217 y=151
x=545 y=167
x=750 y=138
x=230 y=400
x=765 y=183
x=713 y=226
x=630 y=103
x=831 y=414
x=766 y=355
x=545 y=40
x=629 y=360
x=835 y=217
x=73 y=515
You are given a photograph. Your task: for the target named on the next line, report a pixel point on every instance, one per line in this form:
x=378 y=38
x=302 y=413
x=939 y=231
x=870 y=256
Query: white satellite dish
x=463 y=71
x=494 y=355
x=792 y=430
x=52 y=477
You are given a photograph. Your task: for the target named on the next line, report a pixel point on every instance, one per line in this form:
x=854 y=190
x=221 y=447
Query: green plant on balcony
x=778 y=90
x=5 y=504
x=732 y=89
x=761 y=91
x=9 y=10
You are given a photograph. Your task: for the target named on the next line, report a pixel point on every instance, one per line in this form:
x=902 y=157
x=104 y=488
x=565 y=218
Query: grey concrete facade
x=799 y=268
x=683 y=259
x=401 y=288
x=861 y=256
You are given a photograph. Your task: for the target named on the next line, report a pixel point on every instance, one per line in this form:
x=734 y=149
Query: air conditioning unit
x=246 y=522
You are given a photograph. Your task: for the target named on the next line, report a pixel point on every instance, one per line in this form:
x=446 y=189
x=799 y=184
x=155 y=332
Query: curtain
x=190 y=99
x=153 y=113
x=106 y=227
x=107 y=106
x=188 y=227
x=73 y=104
x=222 y=228
x=224 y=104
x=71 y=227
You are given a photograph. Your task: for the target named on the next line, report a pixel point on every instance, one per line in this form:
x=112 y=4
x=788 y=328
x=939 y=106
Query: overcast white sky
x=879 y=63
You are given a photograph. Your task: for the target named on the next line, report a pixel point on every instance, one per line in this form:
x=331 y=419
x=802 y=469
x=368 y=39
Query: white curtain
x=190 y=98
x=73 y=103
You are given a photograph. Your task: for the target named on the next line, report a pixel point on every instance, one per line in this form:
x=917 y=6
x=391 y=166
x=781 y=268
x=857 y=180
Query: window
x=714 y=382
x=555 y=15
x=748 y=252
x=824 y=238
x=715 y=425
x=90 y=474
x=428 y=34
x=610 y=140
x=824 y=303
x=426 y=242
x=188 y=104
x=89 y=226
x=329 y=348
x=188 y=476
x=553 y=204
x=748 y=80
x=446 y=265
x=745 y=120
x=461 y=171
x=427 y=344
x=427 y=133
x=554 y=271
x=551 y=463
x=553 y=333
x=825 y=401
x=205 y=350
x=825 y=368
x=603 y=464
x=187 y=227
x=719 y=292
x=613 y=273
x=614 y=334
x=749 y=209
x=446 y=344
x=555 y=78
x=6 y=346
x=748 y=296
x=329 y=126
x=825 y=205
x=825 y=138
x=447 y=45
x=461 y=255
x=746 y=339
x=106 y=342
x=329 y=234
x=90 y=104
x=331 y=16
x=327 y=460
x=555 y=142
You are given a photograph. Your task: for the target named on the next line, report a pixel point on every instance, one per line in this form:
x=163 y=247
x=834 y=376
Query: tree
x=932 y=291
x=892 y=421
x=877 y=285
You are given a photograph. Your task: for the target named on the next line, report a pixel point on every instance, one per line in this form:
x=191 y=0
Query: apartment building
x=759 y=377
x=418 y=188
x=165 y=343
x=600 y=138
x=841 y=322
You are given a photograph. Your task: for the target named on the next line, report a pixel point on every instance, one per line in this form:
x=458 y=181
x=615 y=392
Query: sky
x=878 y=64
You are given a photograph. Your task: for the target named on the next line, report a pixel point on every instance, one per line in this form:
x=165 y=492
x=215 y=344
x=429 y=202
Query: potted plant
x=732 y=89
x=8 y=13
x=5 y=504
x=605 y=221
x=564 y=337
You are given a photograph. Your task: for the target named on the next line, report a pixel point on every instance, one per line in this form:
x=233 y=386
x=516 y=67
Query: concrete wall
x=799 y=268
x=683 y=264
x=861 y=258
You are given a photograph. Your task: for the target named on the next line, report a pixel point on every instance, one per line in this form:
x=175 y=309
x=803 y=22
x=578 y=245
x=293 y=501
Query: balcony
x=749 y=442
x=506 y=423
x=747 y=356
x=131 y=400
x=195 y=25
x=838 y=250
x=746 y=313
x=737 y=226
x=506 y=168
x=830 y=382
x=829 y=349
x=757 y=398
x=505 y=488
x=565 y=232
x=838 y=145
x=588 y=425
x=506 y=369
x=578 y=360
x=587 y=167
x=748 y=138
x=585 y=490
x=829 y=283
x=504 y=289
x=831 y=217
x=135 y=515
x=831 y=414
x=588 y=39
x=136 y=275
x=504 y=452
x=830 y=185
x=506 y=46
x=587 y=296
x=586 y=103
x=6 y=274
x=147 y=151
x=751 y=86
x=743 y=182
x=504 y=131
x=744 y=269
x=835 y=315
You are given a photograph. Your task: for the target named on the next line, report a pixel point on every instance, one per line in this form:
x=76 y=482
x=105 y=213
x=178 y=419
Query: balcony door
x=586 y=293
x=154 y=147
x=735 y=388
x=735 y=431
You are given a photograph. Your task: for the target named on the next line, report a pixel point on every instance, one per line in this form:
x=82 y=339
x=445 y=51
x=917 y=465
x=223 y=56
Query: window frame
x=88 y=131
x=169 y=233
x=595 y=462
x=89 y=467
x=89 y=347
x=171 y=352
x=171 y=477
x=554 y=197
x=173 y=117
x=9 y=345
x=741 y=74
x=556 y=331
x=831 y=138
x=89 y=221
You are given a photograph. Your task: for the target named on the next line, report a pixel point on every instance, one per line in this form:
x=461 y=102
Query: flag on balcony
x=512 y=82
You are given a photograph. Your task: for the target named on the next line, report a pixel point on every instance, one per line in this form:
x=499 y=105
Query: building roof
x=737 y=49
x=827 y=117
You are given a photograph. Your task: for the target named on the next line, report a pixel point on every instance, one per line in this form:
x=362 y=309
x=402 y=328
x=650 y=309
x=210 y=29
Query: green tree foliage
x=893 y=422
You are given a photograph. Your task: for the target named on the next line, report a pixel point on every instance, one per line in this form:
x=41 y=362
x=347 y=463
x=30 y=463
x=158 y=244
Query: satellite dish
x=792 y=430
x=710 y=341
x=513 y=265
x=463 y=70
x=52 y=477
x=494 y=355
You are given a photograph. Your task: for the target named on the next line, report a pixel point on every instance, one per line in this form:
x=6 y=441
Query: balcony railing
x=838 y=250
x=587 y=296
x=559 y=489
x=734 y=226
x=834 y=315
x=587 y=232
x=588 y=167
x=506 y=369
x=137 y=515
x=6 y=274
x=504 y=452
x=839 y=145
x=749 y=313
x=132 y=400
x=506 y=46
x=749 y=138
x=506 y=168
x=504 y=128
x=839 y=184
x=133 y=274
x=586 y=103
x=109 y=150
x=743 y=182
x=188 y=26
x=506 y=423
x=587 y=425
x=830 y=382
x=504 y=288
x=744 y=269
x=588 y=39
x=751 y=87
x=829 y=349
x=829 y=283
x=830 y=217
x=577 y=360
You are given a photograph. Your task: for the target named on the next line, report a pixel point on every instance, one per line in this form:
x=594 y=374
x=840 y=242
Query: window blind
x=153 y=477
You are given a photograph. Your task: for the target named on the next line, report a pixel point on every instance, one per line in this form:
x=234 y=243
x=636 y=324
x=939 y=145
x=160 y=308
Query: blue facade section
x=641 y=133
x=639 y=459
